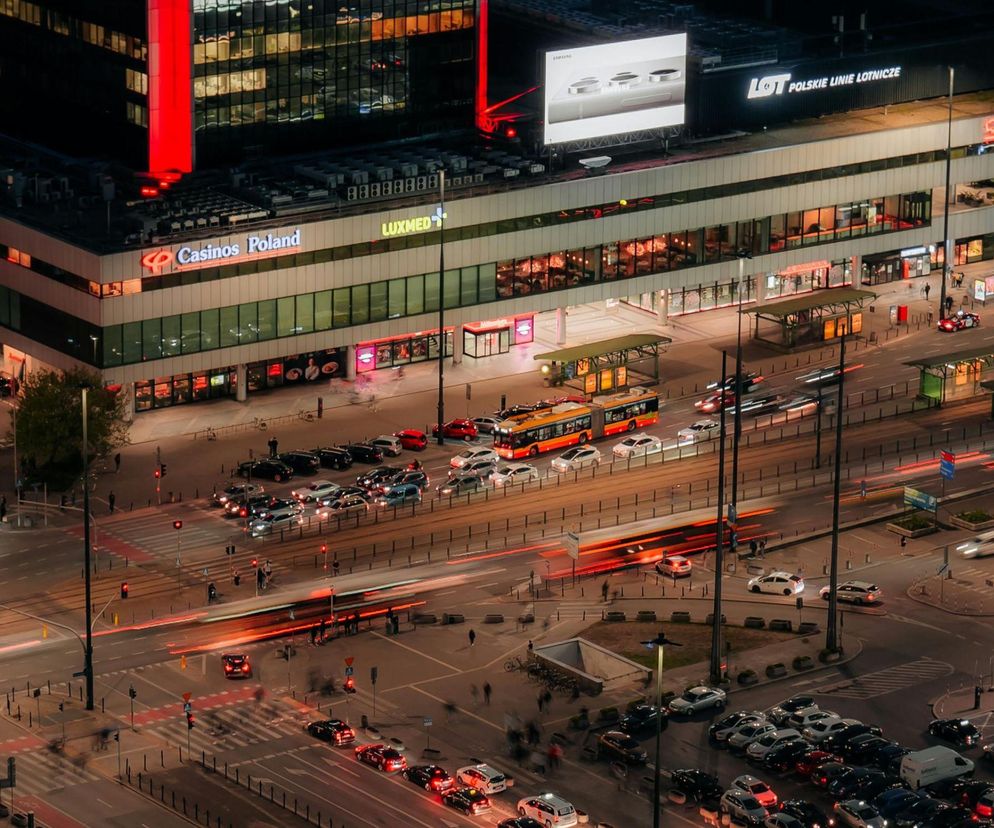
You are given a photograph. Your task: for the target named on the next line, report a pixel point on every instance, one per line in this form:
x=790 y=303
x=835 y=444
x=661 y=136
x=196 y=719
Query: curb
x=857 y=651
x=960 y=613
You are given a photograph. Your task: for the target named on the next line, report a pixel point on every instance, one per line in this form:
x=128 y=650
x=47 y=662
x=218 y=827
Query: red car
x=236 y=666
x=809 y=761
x=461 y=429
x=380 y=756
x=716 y=402
x=412 y=439
x=959 y=320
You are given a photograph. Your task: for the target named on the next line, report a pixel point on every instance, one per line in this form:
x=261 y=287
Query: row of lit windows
x=21 y=10
x=136 y=114
x=64 y=24
x=136 y=81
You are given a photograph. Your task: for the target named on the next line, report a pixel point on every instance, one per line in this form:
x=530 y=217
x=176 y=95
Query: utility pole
x=441 y=308
x=832 y=630
x=88 y=649
x=737 y=432
x=719 y=565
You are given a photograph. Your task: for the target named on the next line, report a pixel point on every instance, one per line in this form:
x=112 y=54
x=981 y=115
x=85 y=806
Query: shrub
x=974 y=516
x=914 y=522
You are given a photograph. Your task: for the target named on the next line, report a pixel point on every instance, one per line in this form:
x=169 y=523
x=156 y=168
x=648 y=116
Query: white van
x=979 y=546
x=926 y=767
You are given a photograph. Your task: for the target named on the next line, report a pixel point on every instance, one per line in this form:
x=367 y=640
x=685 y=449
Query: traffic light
x=349 y=684
x=177 y=524
x=162 y=469
x=158 y=473
x=189 y=721
x=124 y=590
x=255 y=562
x=324 y=549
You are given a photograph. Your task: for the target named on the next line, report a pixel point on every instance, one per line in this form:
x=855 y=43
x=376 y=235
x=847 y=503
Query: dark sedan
x=332 y=730
x=415 y=476
x=382 y=757
x=960 y=732
x=375 y=477
x=271 y=469
x=430 y=777
x=696 y=785
x=641 y=718
x=468 y=800
x=784 y=757
x=332 y=457
x=809 y=815
x=519 y=822
x=364 y=453
x=617 y=745
x=302 y=462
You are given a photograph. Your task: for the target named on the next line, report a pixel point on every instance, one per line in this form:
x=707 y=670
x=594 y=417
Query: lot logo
x=769 y=85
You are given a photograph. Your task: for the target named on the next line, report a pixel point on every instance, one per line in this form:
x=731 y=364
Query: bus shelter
x=599 y=367
x=957 y=375
x=810 y=319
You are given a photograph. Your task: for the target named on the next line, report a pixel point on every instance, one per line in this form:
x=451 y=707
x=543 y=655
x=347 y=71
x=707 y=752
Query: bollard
x=162 y=757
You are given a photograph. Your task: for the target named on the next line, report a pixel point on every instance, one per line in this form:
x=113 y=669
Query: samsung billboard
x=614 y=88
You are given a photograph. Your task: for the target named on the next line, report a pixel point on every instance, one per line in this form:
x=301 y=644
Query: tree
x=50 y=424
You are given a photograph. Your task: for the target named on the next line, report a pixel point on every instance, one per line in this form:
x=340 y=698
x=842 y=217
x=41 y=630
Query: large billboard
x=614 y=88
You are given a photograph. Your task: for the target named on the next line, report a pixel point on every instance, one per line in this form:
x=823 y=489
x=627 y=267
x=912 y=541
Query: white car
x=676 y=566
x=549 y=809
x=818 y=732
x=807 y=717
x=698 y=432
x=858 y=814
x=637 y=445
x=855 y=592
x=743 y=806
x=745 y=734
x=274 y=523
x=726 y=726
x=486 y=425
x=473 y=454
x=316 y=490
x=777 y=583
x=484 y=777
x=346 y=505
x=509 y=474
x=757 y=787
x=576 y=458
x=979 y=546
x=758 y=749
x=696 y=699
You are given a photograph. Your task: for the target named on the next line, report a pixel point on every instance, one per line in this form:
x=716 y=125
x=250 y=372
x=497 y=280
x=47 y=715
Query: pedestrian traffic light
x=324 y=549
x=255 y=561
x=162 y=469
x=349 y=684
x=189 y=721
x=177 y=524
x=158 y=473
x=124 y=590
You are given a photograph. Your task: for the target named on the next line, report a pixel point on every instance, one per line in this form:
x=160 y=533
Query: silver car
x=743 y=806
x=274 y=523
x=698 y=698
x=576 y=458
x=510 y=474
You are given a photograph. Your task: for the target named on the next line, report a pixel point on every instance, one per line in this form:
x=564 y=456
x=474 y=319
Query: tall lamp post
x=737 y=428
x=832 y=629
x=659 y=643
x=88 y=649
x=719 y=557
x=441 y=308
x=947 y=254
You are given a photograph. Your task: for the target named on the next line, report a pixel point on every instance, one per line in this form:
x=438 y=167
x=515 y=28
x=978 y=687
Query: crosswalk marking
x=889 y=680
x=42 y=771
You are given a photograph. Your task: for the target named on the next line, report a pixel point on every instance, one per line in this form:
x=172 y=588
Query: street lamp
x=441 y=308
x=659 y=643
x=88 y=649
x=716 y=672
x=737 y=433
x=832 y=629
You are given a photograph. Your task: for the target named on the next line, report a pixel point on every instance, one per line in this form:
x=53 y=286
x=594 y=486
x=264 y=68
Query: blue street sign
x=946 y=469
x=919 y=500
x=349 y=670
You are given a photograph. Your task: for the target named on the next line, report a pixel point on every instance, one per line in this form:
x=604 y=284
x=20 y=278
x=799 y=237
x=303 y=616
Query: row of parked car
x=873 y=781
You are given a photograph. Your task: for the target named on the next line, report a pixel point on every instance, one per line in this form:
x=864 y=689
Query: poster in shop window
x=313 y=366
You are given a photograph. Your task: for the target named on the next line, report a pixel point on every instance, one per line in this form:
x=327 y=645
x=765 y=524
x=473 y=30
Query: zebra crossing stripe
x=888 y=680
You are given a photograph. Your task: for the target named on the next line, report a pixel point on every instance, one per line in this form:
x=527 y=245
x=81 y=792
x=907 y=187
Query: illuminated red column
x=482 y=117
x=170 y=86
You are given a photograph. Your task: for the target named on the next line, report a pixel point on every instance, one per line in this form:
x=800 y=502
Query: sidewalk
x=697 y=338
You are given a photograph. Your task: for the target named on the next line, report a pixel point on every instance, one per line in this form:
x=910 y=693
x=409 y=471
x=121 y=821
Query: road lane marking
x=396 y=643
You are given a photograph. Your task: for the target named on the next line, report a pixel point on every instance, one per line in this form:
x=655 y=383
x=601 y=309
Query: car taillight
x=984 y=810
x=245 y=668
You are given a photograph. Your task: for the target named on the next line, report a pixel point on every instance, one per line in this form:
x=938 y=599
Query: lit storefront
x=807 y=277
x=897 y=264
x=394 y=351
x=496 y=336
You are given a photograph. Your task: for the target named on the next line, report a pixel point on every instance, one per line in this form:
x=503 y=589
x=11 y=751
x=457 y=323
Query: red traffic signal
x=177 y=524
x=349 y=684
x=324 y=549
x=189 y=721
x=255 y=561
x=158 y=474
x=124 y=589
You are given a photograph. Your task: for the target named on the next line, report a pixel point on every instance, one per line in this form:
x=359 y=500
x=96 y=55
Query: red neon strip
x=482 y=19
x=170 y=87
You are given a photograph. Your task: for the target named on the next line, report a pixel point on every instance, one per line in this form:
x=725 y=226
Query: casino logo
x=156 y=260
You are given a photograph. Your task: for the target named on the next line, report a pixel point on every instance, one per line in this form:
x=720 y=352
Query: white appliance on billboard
x=614 y=88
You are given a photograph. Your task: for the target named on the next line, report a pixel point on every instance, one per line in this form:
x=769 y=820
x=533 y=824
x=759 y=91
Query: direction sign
x=349 y=660
x=919 y=500
x=427 y=721
x=573 y=545
x=187 y=707
x=350 y=670
x=947 y=465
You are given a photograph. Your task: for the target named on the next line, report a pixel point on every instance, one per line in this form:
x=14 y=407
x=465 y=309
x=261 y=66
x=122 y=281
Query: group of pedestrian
x=757 y=548
x=350 y=623
x=393 y=622
x=264 y=574
x=273 y=446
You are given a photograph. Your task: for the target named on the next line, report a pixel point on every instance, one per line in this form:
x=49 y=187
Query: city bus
x=573 y=423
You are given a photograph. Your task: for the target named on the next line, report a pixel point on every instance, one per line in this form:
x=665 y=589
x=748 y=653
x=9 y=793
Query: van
x=926 y=767
x=979 y=546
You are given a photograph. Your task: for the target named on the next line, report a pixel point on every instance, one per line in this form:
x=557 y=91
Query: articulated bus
x=571 y=423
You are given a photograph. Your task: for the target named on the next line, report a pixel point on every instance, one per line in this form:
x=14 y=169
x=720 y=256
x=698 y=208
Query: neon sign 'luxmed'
x=419 y=224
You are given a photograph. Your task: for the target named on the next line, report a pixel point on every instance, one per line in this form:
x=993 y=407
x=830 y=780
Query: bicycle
x=260 y=424
x=306 y=416
x=211 y=435
x=516 y=663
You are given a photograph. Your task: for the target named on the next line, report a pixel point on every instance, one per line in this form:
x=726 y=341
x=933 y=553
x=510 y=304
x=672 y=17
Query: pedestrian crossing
x=153 y=532
x=42 y=771
x=886 y=681
x=972 y=578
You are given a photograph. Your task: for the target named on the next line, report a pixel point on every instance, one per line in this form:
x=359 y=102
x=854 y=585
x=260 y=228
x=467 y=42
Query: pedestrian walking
x=117 y=462
x=260 y=578
x=604 y=589
x=472 y=637
x=267 y=568
x=111 y=499
x=321 y=626
x=928 y=289
x=762 y=548
x=541 y=702
x=3 y=508
x=547 y=698
x=314 y=636
x=273 y=446
x=355 y=622
x=753 y=547
x=949 y=304
x=530 y=645
x=236 y=577
x=487 y=690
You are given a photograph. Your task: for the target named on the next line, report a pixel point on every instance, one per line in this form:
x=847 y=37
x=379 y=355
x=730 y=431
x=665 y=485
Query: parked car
x=856 y=813
x=315 y=491
x=807 y=813
x=637 y=445
x=960 y=732
x=617 y=745
x=333 y=457
x=783 y=757
x=725 y=726
x=698 y=698
x=459 y=429
x=779 y=713
x=777 y=583
x=485 y=777
x=486 y=425
x=854 y=592
x=641 y=719
x=841 y=738
x=390 y=445
x=763 y=745
x=364 y=453
x=696 y=785
x=510 y=474
x=302 y=462
x=812 y=758
x=894 y=800
x=746 y=734
x=400 y=495
x=269 y=468
x=818 y=731
x=412 y=439
x=743 y=806
x=675 y=566
x=576 y=458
